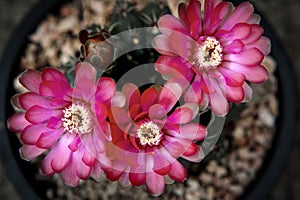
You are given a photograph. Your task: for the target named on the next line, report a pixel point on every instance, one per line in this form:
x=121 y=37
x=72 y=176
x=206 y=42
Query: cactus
x=127 y=17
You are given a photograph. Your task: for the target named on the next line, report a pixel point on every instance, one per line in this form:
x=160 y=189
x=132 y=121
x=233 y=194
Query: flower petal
x=218 y=102
x=101 y=111
x=104 y=161
x=248 y=92
x=162 y=44
x=135 y=110
x=177 y=172
x=196 y=157
x=256 y=33
x=118 y=100
x=234 y=94
x=29 y=152
x=124 y=181
x=31 y=133
x=85 y=160
x=148 y=98
x=191 y=150
x=106 y=88
x=173 y=147
x=181 y=115
x=183 y=44
x=232 y=78
x=182 y=12
x=29 y=99
x=235 y=47
x=46 y=167
x=17 y=122
x=194 y=17
x=60 y=103
x=54 y=122
x=54 y=75
x=117 y=136
x=208 y=11
x=205 y=84
x=248 y=57
x=94 y=142
x=105 y=130
x=155 y=183
x=76 y=169
x=53 y=89
x=157 y=111
x=85 y=72
x=254 y=74
x=69 y=175
x=98 y=141
x=162 y=164
x=15 y=101
x=31 y=80
x=169 y=95
x=97 y=172
x=48 y=139
x=218 y=15
x=84 y=81
x=204 y=102
x=75 y=144
x=194 y=92
x=119 y=116
x=240 y=31
x=193 y=107
x=60 y=155
x=240 y=14
x=174 y=66
x=88 y=159
x=137 y=177
x=167 y=24
x=192 y=131
x=254 y=19
x=263 y=45
x=132 y=94
x=115 y=172
x=37 y=114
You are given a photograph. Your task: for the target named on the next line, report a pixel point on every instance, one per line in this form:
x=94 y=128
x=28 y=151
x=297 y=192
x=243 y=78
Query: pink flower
x=68 y=124
x=148 y=137
x=213 y=55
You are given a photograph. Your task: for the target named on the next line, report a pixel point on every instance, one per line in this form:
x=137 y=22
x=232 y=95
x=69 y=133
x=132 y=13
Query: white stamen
x=209 y=55
x=77 y=119
x=149 y=134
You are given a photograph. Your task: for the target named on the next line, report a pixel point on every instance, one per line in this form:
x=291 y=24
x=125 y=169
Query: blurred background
x=282 y=16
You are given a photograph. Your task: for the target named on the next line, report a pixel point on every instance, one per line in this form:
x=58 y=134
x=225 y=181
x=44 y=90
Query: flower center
x=209 y=54
x=149 y=134
x=77 y=119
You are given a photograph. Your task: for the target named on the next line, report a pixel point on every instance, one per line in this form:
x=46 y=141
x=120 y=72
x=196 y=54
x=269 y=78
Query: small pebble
x=266 y=117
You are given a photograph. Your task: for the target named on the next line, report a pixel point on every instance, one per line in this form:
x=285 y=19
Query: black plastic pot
x=21 y=173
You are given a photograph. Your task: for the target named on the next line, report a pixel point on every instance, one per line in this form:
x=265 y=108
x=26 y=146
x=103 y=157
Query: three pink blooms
x=136 y=136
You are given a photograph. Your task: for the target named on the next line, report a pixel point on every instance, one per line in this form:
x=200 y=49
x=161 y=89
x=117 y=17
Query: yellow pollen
x=149 y=134
x=209 y=54
x=77 y=119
